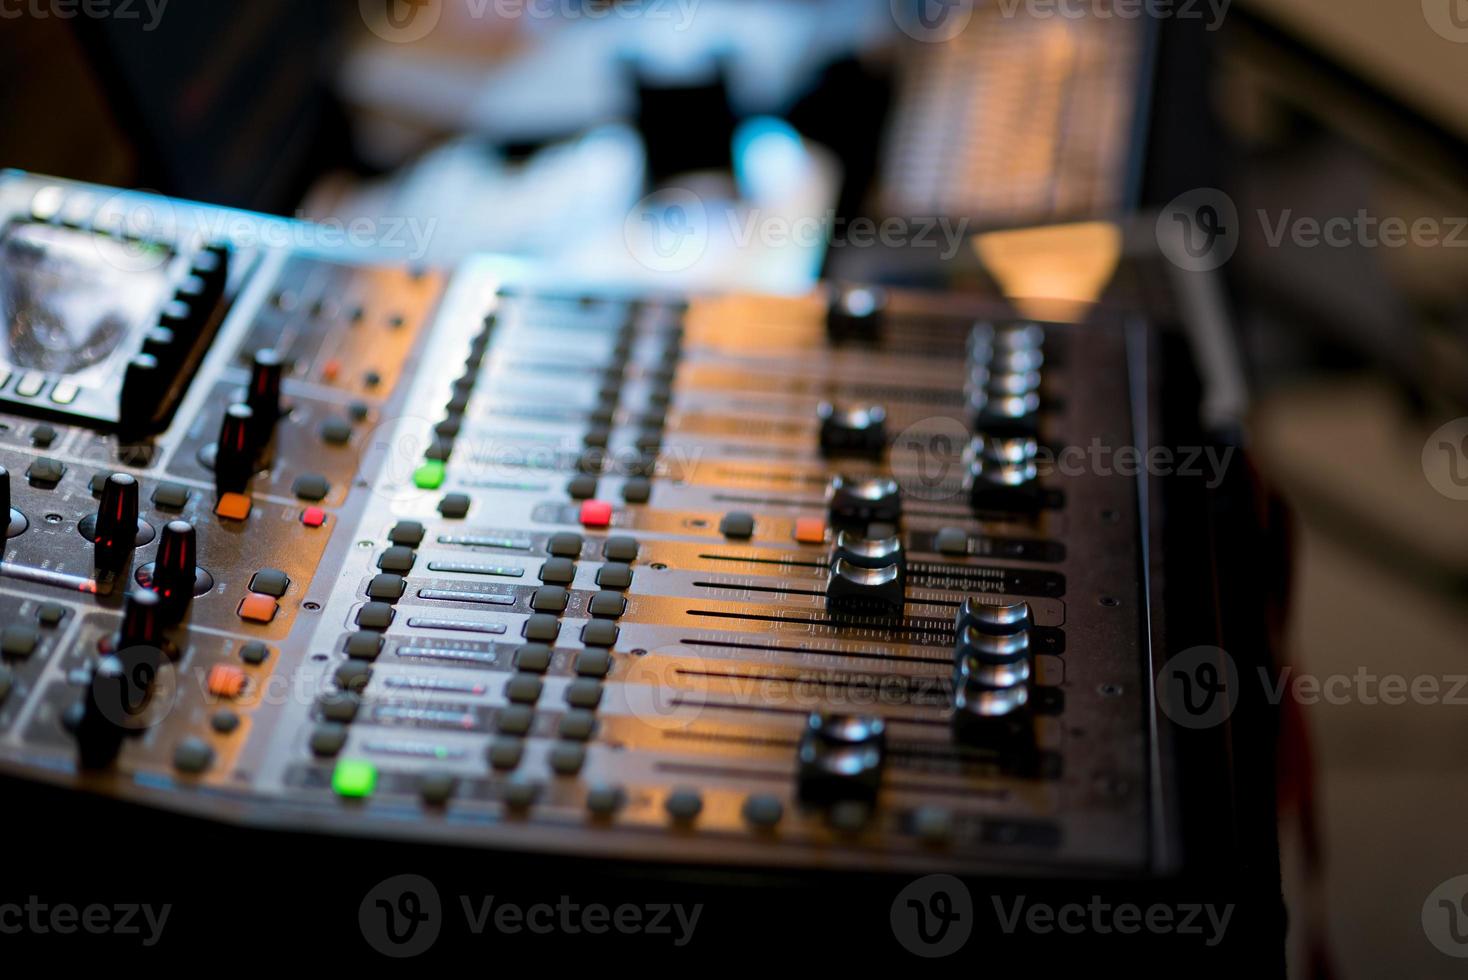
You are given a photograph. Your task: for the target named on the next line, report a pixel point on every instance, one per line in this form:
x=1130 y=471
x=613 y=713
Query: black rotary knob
x=853 y=431
x=234 y=454
x=116 y=528
x=264 y=394
x=142 y=622
x=175 y=568
x=143 y=385
x=101 y=726
x=4 y=502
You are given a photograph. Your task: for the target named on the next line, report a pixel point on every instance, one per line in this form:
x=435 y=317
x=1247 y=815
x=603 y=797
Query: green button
x=354 y=778
x=429 y=476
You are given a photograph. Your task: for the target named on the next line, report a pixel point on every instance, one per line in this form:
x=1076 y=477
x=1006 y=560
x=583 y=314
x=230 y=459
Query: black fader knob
x=115 y=530
x=859 y=501
x=855 y=315
x=997 y=618
x=856 y=432
x=872 y=591
x=840 y=757
x=234 y=454
x=175 y=569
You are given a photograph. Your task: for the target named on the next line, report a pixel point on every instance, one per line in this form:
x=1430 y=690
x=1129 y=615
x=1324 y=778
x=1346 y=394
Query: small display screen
x=71 y=299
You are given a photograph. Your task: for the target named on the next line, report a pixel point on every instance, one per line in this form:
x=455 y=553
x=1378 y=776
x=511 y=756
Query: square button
x=254 y=654
x=386 y=587
x=515 y=719
x=523 y=689
x=354 y=779
x=19 y=641
x=637 y=490
x=596 y=513
x=258 y=608
x=454 y=506
x=533 y=657
x=581 y=487
x=233 y=506
x=599 y=633
x=364 y=645
x=397 y=559
x=608 y=604
x=375 y=616
x=558 y=571
x=810 y=530
x=45 y=472
x=271 y=582
x=429 y=476
x=226 y=681
x=311 y=486
x=564 y=545
x=620 y=548
x=171 y=496
x=408 y=534
x=614 y=575
x=577 y=725
x=313 y=517
x=549 y=599
x=542 y=628
x=737 y=524
x=584 y=692
x=593 y=663
x=506 y=753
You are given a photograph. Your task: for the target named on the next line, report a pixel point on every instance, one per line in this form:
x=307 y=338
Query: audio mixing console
x=302 y=541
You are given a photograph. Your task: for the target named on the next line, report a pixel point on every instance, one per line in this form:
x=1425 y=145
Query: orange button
x=258 y=608
x=226 y=681
x=233 y=506
x=331 y=370
x=810 y=530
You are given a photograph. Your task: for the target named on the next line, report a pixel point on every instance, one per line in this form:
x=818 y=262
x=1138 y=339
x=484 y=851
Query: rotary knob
x=175 y=569
x=144 y=382
x=100 y=726
x=234 y=453
x=12 y=522
x=115 y=528
x=263 y=395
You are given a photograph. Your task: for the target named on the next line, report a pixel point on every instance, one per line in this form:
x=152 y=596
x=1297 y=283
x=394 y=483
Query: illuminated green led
x=429 y=476
x=354 y=778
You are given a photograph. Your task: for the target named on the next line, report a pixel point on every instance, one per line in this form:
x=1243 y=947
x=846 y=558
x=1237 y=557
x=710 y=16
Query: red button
x=596 y=513
x=313 y=517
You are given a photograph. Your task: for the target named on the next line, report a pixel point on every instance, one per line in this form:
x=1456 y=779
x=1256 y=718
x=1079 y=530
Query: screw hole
x=1110 y=690
x=318 y=658
x=311 y=606
x=1110 y=602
